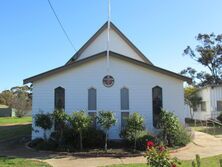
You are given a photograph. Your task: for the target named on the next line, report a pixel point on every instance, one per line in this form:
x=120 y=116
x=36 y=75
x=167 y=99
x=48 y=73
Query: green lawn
x=205 y=162
x=19 y=162
x=14 y=120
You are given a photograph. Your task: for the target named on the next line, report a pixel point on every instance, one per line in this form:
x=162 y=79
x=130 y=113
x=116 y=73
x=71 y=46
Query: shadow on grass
x=14 y=131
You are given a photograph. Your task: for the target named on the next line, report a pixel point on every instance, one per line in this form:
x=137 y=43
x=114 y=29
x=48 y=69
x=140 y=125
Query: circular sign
x=108 y=81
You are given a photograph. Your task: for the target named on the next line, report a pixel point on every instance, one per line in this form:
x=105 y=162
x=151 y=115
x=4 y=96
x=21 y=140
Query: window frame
x=219 y=101
x=123 y=101
x=155 y=121
x=203 y=109
x=90 y=106
x=63 y=98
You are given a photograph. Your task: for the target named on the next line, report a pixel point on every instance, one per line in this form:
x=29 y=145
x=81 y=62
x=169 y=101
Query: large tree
x=209 y=54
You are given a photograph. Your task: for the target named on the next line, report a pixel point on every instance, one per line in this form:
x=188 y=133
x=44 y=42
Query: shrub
x=60 y=117
x=93 y=138
x=143 y=139
x=35 y=142
x=173 y=133
x=43 y=121
x=158 y=156
x=70 y=139
x=49 y=145
x=183 y=136
x=41 y=144
x=133 y=128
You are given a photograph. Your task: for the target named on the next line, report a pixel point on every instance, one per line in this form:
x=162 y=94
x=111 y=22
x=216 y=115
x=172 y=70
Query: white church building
x=132 y=83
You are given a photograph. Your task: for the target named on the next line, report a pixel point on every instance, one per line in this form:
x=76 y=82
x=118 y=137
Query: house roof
x=80 y=51
x=75 y=64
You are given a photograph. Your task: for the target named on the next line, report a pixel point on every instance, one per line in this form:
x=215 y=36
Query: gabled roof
x=80 y=51
x=75 y=64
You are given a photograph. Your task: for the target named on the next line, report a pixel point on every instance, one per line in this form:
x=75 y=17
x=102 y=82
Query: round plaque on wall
x=108 y=81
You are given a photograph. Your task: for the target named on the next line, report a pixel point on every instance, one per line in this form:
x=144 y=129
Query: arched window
x=157 y=104
x=124 y=98
x=59 y=98
x=92 y=99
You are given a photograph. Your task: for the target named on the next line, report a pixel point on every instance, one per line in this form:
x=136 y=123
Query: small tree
x=44 y=121
x=60 y=118
x=134 y=128
x=106 y=121
x=191 y=99
x=79 y=122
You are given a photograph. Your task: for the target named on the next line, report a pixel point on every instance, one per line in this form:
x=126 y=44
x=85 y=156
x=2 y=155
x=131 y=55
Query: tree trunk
x=191 y=114
x=106 y=140
x=134 y=150
x=80 y=140
x=45 y=138
x=61 y=134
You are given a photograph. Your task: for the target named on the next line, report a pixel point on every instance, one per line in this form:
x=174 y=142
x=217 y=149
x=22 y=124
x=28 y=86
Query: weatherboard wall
x=137 y=79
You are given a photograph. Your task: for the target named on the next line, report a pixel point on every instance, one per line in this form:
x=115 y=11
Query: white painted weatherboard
x=138 y=80
x=116 y=44
x=210 y=95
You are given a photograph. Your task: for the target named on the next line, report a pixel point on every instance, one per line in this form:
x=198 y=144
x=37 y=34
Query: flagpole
x=108 y=36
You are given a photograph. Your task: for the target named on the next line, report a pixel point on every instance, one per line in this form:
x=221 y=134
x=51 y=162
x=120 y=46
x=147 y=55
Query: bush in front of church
x=134 y=134
x=172 y=132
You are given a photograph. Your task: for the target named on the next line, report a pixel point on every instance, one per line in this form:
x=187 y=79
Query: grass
x=11 y=128
x=14 y=120
x=205 y=162
x=19 y=162
x=210 y=130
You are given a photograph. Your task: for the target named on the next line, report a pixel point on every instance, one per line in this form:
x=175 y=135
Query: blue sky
x=32 y=42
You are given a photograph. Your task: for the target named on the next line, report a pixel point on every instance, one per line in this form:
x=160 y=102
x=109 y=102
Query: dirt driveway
x=205 y=145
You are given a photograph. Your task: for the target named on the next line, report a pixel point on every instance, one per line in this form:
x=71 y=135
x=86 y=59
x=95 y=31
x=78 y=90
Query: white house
x=132 y=83
x=211 y=105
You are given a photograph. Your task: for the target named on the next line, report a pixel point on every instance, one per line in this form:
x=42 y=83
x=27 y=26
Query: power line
x=60 y=23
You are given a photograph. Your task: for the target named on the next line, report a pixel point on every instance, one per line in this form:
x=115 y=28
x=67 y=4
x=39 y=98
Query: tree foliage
x=18 y=97
x=134 y=128
x=79 y=122
x=191 y=99
x=208 y=54
x=173 y=133
x=106 y=120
